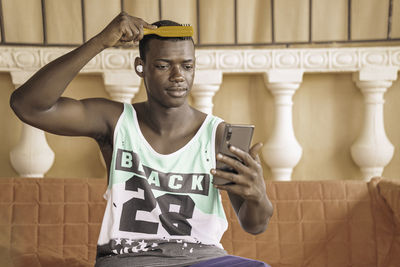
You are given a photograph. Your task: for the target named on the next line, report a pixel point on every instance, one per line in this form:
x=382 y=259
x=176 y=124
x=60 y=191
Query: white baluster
x=372 y=150
x=32 y=156
x=282 y=152
x=122 y=86
x=206 y=84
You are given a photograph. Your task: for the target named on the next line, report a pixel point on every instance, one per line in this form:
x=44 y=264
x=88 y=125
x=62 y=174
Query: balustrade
x=374 y=68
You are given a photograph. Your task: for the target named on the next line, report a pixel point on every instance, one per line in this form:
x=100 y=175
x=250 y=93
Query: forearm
x=255 y=215
x=44 y=88
x=41 y=92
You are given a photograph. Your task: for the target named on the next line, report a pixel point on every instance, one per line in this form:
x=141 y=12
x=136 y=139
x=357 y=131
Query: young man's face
x=169 y=71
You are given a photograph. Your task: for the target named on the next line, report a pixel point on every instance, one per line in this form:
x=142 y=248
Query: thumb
x=149 y=26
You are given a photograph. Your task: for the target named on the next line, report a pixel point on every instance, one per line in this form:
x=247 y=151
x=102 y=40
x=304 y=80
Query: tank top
x=167 y=197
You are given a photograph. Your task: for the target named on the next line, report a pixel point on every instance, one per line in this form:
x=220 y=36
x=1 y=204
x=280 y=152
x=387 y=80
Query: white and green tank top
x=152 y=196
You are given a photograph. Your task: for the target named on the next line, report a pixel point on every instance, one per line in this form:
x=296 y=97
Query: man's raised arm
x=38 y=102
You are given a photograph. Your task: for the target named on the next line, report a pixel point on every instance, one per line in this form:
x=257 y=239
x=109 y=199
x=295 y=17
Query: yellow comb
x=171 y=31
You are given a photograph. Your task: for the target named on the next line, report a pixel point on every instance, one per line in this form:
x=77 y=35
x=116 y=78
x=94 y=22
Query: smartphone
x=239 y=136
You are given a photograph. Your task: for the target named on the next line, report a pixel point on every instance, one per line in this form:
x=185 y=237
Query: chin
x=175 y=103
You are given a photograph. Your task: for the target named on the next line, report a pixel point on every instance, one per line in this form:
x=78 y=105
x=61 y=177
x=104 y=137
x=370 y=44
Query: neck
x=166 y=120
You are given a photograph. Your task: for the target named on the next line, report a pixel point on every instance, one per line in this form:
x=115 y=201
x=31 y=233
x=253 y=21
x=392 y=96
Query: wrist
x=258 y=200
x=254 y=216
x=97 y=43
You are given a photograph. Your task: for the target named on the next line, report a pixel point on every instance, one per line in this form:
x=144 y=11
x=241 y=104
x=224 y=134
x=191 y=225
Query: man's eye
x=162 y=67
x=188 y=67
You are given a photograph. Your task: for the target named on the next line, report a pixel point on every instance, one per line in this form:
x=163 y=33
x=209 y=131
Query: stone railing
x=374 y=70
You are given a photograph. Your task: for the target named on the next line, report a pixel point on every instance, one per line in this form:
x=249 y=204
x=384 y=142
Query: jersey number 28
x=174 y=221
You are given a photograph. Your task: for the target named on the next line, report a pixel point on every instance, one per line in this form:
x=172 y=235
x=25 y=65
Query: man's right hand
x=123 y=30
x=39 y=101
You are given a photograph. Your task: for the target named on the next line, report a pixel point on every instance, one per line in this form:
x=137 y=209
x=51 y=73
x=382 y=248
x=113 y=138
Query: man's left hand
x=248 y=183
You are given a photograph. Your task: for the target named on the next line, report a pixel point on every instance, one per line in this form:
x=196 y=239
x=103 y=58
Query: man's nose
x=176 y=74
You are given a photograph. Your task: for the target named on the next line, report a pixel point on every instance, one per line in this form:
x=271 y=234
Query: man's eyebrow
x=169 y=60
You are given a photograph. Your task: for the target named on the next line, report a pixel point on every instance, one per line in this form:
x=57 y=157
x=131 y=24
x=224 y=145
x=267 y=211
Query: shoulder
x=104 y=111
x=139 y=107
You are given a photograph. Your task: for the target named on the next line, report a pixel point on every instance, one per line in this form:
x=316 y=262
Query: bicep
x=88 y=117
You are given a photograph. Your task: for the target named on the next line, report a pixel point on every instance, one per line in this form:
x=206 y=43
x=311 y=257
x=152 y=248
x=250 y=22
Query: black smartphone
x=239 y=136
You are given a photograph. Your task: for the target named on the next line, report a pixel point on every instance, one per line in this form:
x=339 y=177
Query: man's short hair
x=143 y=47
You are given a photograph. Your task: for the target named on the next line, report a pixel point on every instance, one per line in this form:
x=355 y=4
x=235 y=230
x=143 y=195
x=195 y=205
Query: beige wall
x=369 y=19
x=328 y=114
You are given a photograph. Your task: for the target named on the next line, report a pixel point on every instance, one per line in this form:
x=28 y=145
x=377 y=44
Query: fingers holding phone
x=248 y=180
x=239 y=169
x=233 y=151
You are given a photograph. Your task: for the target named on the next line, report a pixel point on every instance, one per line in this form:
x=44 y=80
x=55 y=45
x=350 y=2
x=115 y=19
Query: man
x=162 y=209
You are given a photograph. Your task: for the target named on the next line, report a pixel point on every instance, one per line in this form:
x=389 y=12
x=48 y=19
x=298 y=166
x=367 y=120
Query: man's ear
x=139 y=68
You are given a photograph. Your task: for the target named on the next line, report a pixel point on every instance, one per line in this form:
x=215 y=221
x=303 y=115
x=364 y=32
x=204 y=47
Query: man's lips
x=176 y=91
x=176 y=88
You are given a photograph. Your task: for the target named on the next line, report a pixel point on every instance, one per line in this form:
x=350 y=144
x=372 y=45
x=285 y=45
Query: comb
x=171 y=31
